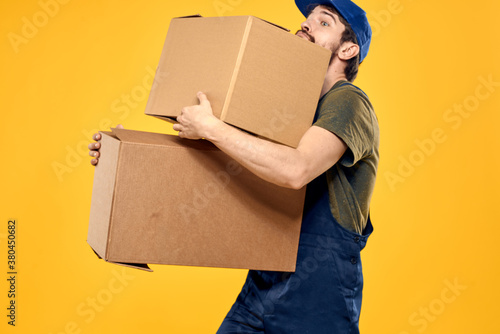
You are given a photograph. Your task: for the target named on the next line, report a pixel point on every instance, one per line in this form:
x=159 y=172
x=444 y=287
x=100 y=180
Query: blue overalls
x=323 y=295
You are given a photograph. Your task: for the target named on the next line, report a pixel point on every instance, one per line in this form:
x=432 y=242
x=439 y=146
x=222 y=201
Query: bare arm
x=318 y=150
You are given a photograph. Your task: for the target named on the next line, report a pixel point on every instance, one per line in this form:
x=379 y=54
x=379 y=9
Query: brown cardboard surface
x=256 y=75
x=183 y=202
x=104 y=184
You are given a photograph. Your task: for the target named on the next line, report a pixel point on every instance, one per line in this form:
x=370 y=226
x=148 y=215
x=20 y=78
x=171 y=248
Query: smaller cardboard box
x=257 y=76
x=161 y=199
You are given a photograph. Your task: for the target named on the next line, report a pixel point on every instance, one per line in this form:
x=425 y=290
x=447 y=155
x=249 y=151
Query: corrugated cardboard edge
x=103 y=187
x=274 y=24
x=243 y=45
x=164 y=118
x=188 y=16
x=94 y=239
x=133 y=137
x=140 y=266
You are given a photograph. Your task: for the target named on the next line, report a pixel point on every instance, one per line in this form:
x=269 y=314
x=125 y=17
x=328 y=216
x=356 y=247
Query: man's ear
x=348 y=50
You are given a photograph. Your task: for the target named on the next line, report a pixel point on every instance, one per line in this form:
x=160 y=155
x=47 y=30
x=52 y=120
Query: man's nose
x=306 y=26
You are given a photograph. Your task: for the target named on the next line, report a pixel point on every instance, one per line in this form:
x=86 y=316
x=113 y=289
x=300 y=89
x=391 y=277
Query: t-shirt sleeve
x=347 y=114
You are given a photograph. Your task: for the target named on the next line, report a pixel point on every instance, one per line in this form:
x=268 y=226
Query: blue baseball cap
x=354 y=15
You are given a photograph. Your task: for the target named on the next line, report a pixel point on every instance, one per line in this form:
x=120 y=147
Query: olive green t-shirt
x=346 y=111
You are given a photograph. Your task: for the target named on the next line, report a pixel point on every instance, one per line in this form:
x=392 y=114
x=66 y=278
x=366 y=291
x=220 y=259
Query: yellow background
x=435 y=207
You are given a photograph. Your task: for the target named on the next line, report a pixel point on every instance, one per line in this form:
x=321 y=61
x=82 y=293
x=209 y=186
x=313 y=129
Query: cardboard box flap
x=198 y=15
x=128 y=136
x=140 y=266
x=274 y=24
x=188 y=16
x=160 y=139
x=110 y=133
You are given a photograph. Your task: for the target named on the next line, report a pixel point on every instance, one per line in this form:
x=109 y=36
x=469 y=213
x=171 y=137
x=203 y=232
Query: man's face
x=322 y=27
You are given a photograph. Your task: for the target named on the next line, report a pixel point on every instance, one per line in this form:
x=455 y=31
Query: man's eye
x=324 y=24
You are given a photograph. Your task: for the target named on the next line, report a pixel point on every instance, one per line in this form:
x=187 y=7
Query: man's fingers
x=94 y=154
x=203 y=98
x=94 y=147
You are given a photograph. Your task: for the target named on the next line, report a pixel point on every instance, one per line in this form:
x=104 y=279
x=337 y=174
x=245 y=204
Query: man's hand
x=94 y=147
x=198 y=121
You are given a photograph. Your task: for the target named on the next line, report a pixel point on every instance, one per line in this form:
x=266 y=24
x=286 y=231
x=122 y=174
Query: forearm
x=318 y=149
x=275 y=163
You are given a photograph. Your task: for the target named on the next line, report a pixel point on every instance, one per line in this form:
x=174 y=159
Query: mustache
x=311 y=38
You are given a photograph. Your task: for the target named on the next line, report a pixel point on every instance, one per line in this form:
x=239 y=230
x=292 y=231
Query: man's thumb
x=203 y=98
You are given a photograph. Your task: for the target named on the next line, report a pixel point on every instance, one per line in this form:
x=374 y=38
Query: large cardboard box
x=257 y=76
x=160 y=199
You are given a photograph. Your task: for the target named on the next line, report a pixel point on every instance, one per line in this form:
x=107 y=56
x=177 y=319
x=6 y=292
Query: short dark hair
x=351 y=70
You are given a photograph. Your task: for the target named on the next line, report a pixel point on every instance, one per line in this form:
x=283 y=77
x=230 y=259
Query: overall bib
x=323 y=295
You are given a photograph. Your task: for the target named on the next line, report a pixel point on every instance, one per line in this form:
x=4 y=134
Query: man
x=337 y=159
